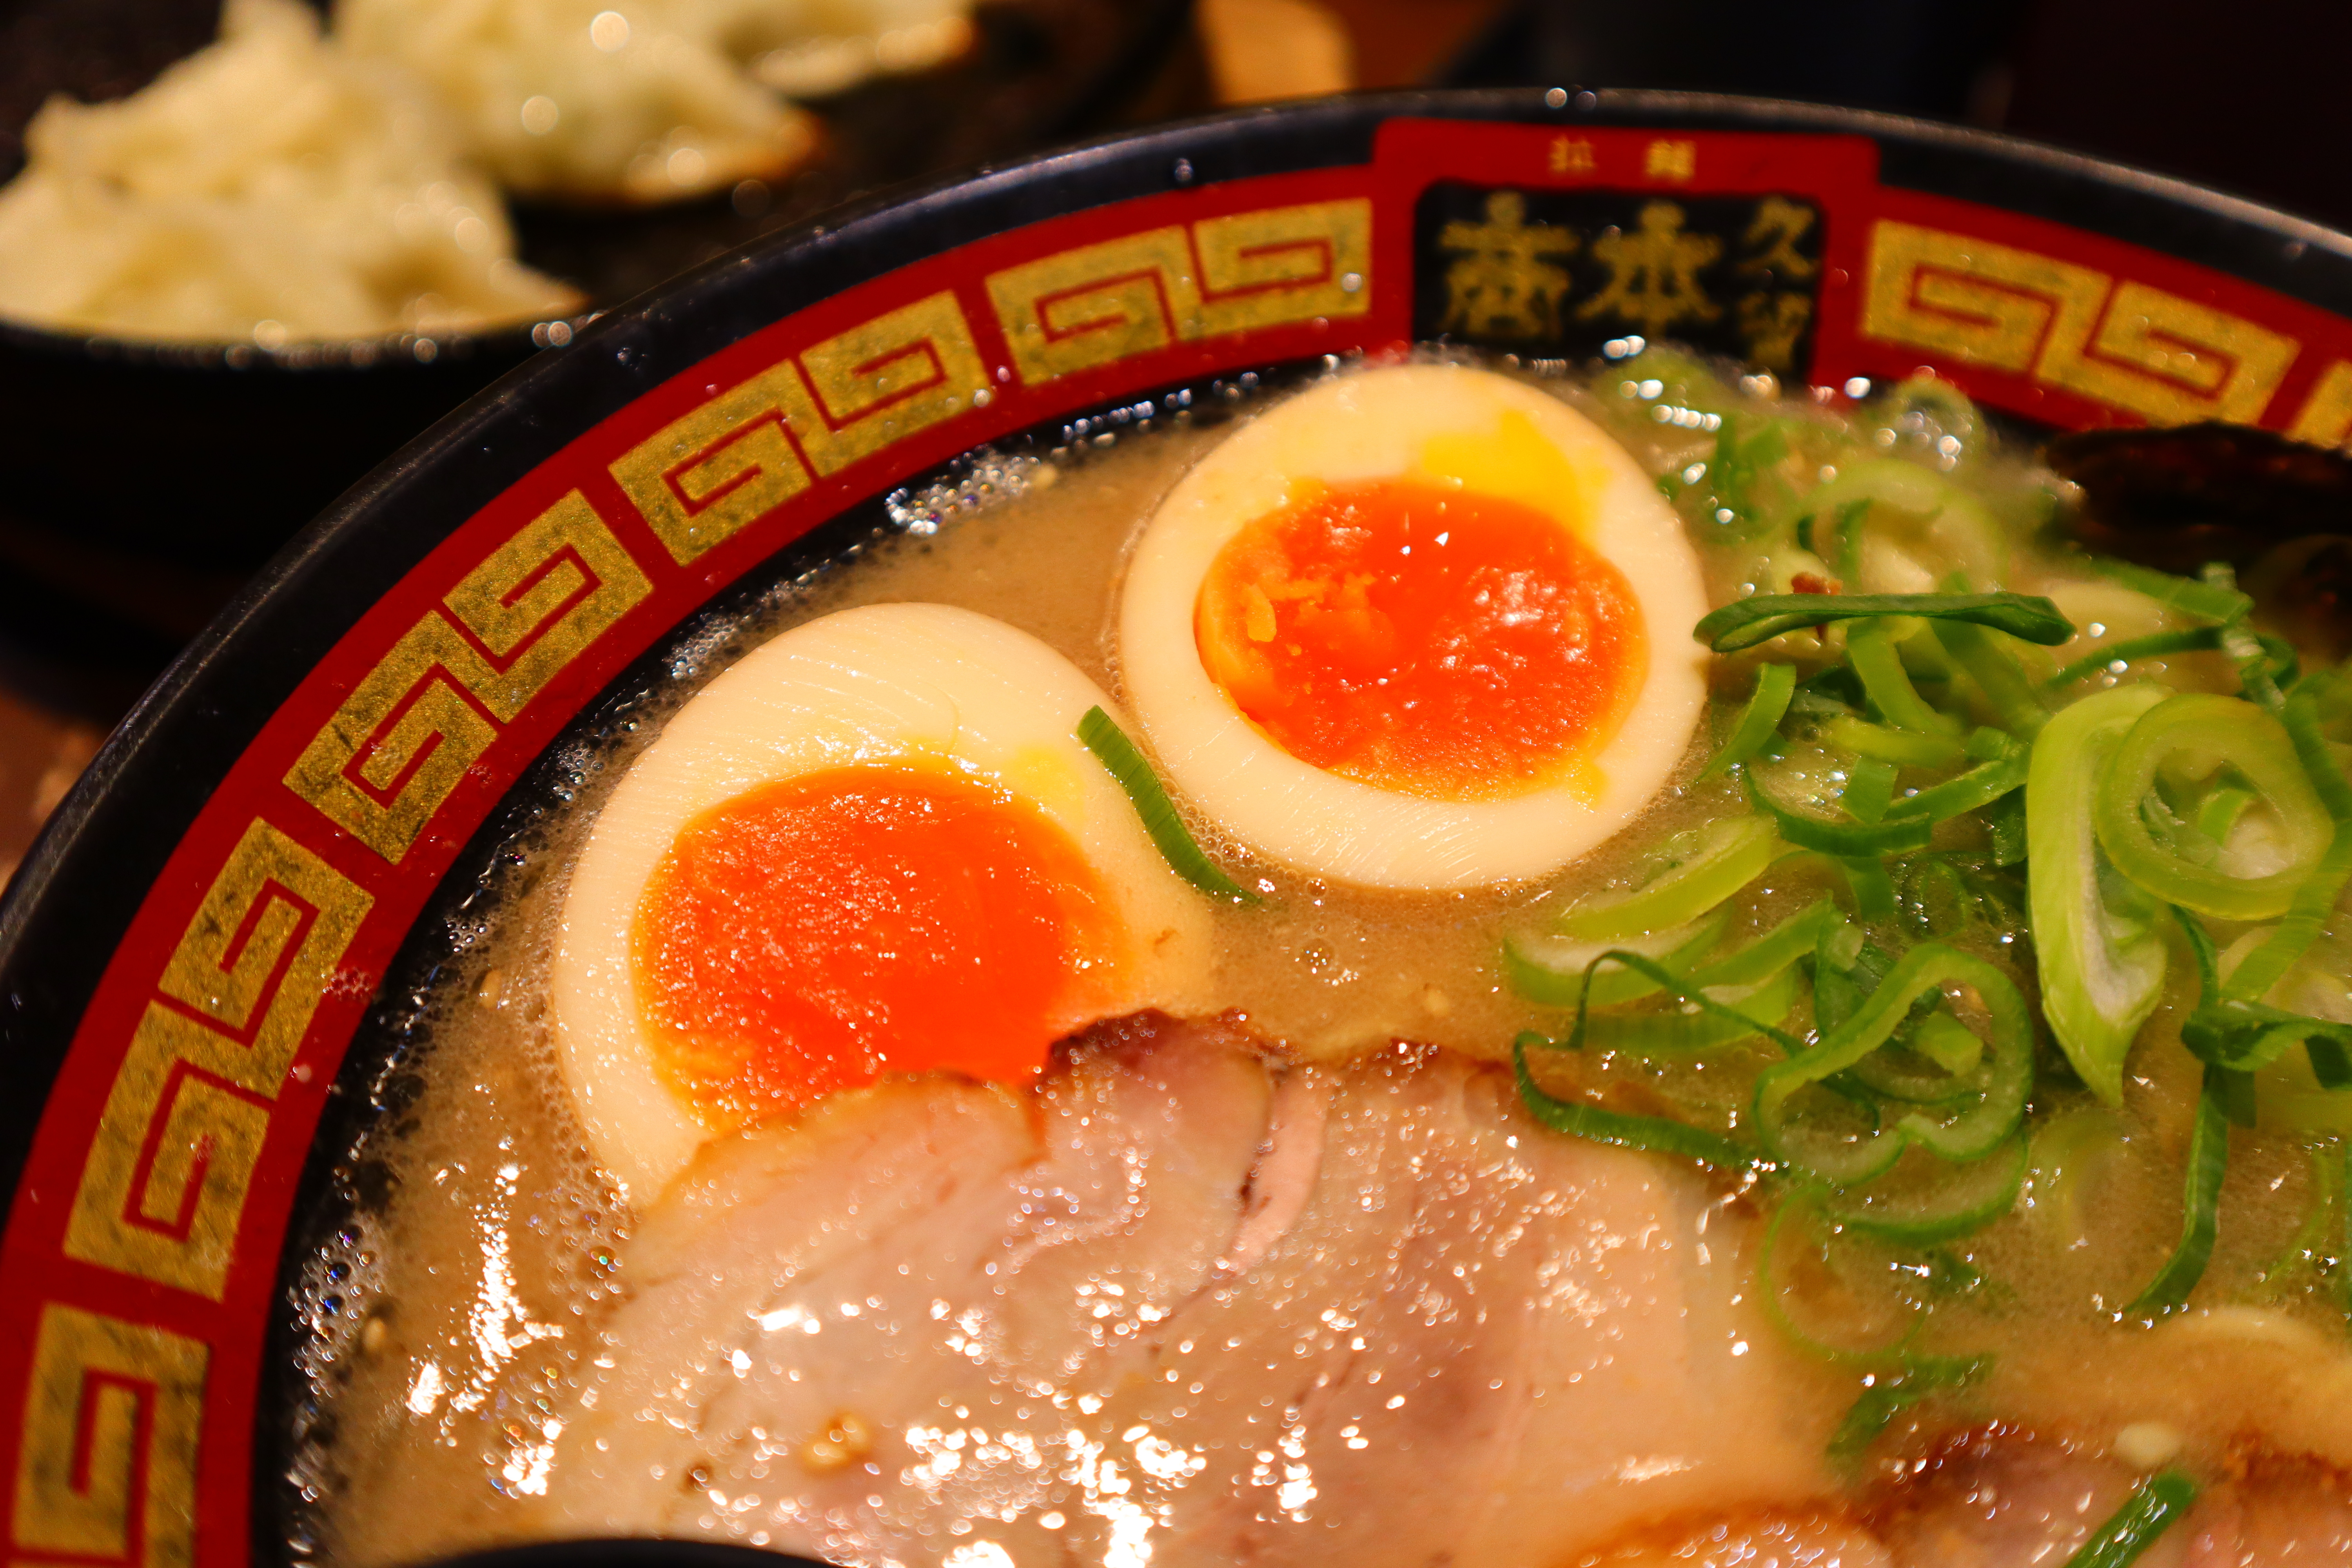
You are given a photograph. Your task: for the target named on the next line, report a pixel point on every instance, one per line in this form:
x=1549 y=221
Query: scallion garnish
x=2200 y=1204
x=1871 y=650
x=1843 y=840
x=2195 y=736
x=1922 y=1201
x=1552 y=971
x=1657 y=1134
x=1971 y=791
x=2131 y=1530
x=1706 y=868
x=2101 y=959
x=1970 y=1135
x=2205 y=600
x=1889 y=1396
x=1747 y=622
x=1997 y=674
x=1100 y=734
x=1760 y=721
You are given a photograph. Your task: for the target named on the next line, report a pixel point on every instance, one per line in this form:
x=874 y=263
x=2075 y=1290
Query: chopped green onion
x=1923 y=1201
x=1835 y=1298
x=2177 y=592
x=1869 y=790
x=1655 y=1133
x=2208 y=1159
x=1874 y=889
x=2220 y=812
x=1902 y=1069
x=1550 y=970
x=1845 y=564
x=1905 y=748
x=1710 y=865
x=1871 y=650
x=1680 y=1033
x=1681 y=988
x=1101 y=735
x=2196 y=735
x=2234 y=1035
x=1846 y=968
x=1887 y=1397
x=2309 y=708
x=1760 y=721
x=1741 y=462
x=1946 y=1041
x=1947 y=519
x=2246 y=650
x=2132 y=1528
x=2011 y=838
x=1843 y=840
x=1828 y=691
x=1970 y=1135
x=2100 y=958
x=1794 y=938
x=1747 y=622
x=2306 y=917
x=1997 y=674
x=2315 y=900
x=2156 y=645
x=1971 y=791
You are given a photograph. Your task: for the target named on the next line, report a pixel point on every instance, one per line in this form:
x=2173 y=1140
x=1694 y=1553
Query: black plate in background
x=211 y=459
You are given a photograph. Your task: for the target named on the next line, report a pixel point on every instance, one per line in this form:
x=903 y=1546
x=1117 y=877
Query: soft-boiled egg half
x=1418 y=627
x=874 y=844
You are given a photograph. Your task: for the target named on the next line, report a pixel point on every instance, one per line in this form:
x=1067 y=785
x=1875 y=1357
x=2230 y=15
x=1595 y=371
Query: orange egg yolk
x=815 y=933
x=1426 y=639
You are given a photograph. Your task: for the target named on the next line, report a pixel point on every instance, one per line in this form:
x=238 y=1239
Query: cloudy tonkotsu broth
x=483 y=1286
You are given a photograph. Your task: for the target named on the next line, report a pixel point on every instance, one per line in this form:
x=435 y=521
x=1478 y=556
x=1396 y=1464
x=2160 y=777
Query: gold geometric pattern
x=162 y=1187
x=1978 y=302
x=704 y=477
x=417 y=721
x=2326 y=417
x=1097 y=304
x=2172 y=360
x=108 y=1470
x=2131 y=346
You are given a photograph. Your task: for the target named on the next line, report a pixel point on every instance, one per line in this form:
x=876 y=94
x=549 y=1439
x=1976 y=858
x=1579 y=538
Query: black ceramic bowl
x=211 y=457
x=211 y=961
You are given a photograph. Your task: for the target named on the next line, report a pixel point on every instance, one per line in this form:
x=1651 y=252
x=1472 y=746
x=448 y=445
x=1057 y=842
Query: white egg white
x=888 y=684
x=1374 y=424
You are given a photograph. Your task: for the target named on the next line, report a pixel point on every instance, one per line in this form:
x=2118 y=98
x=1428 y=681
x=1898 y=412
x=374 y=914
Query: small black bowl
x=214 y=455
x=140 y=482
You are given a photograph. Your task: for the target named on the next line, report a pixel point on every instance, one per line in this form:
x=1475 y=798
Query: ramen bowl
x=213 y=961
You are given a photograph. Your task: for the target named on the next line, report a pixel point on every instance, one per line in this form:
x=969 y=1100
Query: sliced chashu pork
x=1184 y=1299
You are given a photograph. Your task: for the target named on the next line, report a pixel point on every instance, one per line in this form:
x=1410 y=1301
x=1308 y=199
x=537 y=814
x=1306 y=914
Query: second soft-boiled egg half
x=1422 y=626
x=874 y=844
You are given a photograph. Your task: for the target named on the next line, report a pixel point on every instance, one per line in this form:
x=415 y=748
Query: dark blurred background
x=2248 y=95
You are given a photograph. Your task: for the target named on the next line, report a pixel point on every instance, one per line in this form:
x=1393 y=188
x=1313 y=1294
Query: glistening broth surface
x=457 y=1317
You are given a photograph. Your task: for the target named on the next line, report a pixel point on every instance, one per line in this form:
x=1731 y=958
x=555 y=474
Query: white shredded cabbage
x=645 y=101
x=272 y=188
